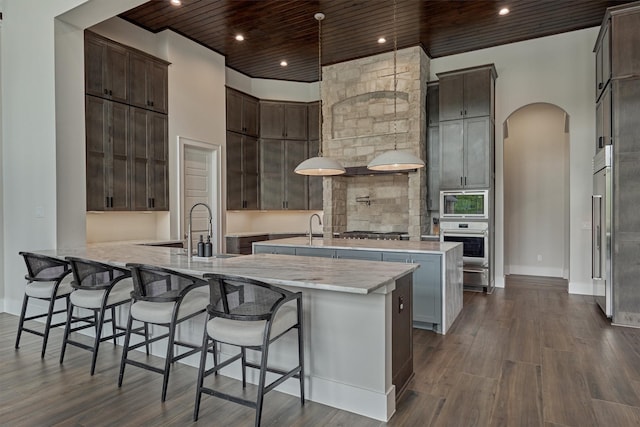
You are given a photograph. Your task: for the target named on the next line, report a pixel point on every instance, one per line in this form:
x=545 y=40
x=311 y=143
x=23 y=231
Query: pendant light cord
x=395 y=79
x=319 y=17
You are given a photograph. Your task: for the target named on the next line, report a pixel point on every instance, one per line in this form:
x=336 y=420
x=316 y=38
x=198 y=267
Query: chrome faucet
x=311 y=229
x=189 y=236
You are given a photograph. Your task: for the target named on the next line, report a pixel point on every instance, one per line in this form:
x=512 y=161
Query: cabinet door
x=94 y=66
x=250 y=165
x=148 y=87
x=607 y=135
x=117 y=73
x=451 y=155
x=451 y=102
x=427 y=285
x=120 y=157
x=250 y=116
x=433 y=166
x=477 y=152
x=158 y=147
x=235 y=198
x=295 y=119
x=433 y=107
x=140 y=128
x=278 y=250
x=313 y=114
x=271 y=176
x=271 y=120
x=357 y=254
x=106 y=69
x=138 y=86
x=234 y=111
x=97 y=116
x=157 y=86
x=315 y=182
x=625 y=45
x=477 y=93
x=296 y=186
x=317 y=252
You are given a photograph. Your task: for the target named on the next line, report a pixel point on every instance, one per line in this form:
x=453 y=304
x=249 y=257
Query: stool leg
x=113 y=324
x=96 y=342
x=23 y=312
x=243 y=362
x=169 y=359
x=301 y=351
x=201 y=369
x=67 y=328
x=125 y=350
x=47 y=326
x=261 y=383
x=146 y=337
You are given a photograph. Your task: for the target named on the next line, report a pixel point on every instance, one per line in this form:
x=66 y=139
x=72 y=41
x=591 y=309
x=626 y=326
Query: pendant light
x=395 y=160
x=319 y=165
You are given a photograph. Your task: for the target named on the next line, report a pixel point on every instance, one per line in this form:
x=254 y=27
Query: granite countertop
x=366 y=244
x=302 y=272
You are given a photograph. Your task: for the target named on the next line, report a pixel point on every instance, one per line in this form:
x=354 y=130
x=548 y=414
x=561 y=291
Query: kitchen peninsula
x=437 y=284
x=358 y=342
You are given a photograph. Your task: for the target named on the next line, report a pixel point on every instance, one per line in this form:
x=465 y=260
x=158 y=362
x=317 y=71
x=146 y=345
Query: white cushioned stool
x=48 y=279
x=249 y=314
x=163 y=297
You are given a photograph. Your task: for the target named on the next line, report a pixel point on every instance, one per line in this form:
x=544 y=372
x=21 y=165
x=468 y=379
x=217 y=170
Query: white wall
x=270 y=221
x=535 y=167
x=558 y=70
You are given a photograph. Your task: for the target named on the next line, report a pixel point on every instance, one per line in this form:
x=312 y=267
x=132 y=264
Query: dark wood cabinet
x=603 y=61
x=126 y=127
x=467 y=143
x=466 y=153
x=150 y=166
x=280 y=186
x=242 y=172
x=433 y=103
x=106 y=68
x=107 y=155
x=603 y=119
x=148 y=87
x=242 y=113
x=466 y=93
x=282 y=120
x=433 y=146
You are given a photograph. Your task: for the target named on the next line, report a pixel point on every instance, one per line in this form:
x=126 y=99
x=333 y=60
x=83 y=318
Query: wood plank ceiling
x=277 y=30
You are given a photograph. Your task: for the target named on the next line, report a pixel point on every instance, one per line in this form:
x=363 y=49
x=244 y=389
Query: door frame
x=219 y=221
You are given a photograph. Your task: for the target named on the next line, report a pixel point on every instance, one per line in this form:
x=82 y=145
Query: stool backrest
x=240 y=298
x=152 y=283
x=44 y=268
x=94 y=275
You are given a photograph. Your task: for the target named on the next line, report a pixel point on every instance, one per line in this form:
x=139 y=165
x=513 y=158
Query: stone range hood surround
x=358 y=113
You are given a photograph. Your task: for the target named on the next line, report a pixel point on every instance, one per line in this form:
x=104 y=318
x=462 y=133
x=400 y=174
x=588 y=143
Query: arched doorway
x=536 y=191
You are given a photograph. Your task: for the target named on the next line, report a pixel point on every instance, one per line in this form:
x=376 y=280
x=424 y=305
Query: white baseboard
x=527 y=270
x=580 y=288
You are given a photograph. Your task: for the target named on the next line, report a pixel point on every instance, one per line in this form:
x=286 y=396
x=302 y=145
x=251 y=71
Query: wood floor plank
x=486 y=354
x=519 y=398
x=469 y=404
x=565 y=394
x=615 y=414
x=555 y=332
x=524 y=343
x=416 y=409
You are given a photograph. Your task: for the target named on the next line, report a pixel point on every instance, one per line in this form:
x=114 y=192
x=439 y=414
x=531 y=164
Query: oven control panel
x=463 y=226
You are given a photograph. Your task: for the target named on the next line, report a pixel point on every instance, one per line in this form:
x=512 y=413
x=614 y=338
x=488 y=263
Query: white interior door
x=200 y=184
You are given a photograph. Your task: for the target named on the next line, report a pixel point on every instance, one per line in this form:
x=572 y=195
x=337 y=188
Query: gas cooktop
x=377 y=235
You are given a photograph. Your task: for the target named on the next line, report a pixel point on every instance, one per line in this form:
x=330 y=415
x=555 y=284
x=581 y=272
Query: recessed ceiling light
x=283 y=63
x=382 y=40
x=504 y=11
x=176 y=2
x=239 y=37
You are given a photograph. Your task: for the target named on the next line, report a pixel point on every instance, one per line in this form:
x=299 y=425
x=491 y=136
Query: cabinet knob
x=110 y=92
x=600 y=85
x=106 y=92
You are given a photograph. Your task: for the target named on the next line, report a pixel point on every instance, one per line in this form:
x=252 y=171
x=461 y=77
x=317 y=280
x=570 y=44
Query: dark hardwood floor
x=528 y=355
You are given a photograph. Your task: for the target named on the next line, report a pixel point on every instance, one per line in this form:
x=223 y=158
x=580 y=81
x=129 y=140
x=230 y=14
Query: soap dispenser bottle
x=201 y=247
x=208 y=247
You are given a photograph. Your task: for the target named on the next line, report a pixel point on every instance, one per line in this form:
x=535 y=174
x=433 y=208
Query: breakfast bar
x=358 y=345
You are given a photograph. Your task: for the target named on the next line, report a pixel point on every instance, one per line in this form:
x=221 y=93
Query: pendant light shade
x=320 y=166
x=395 y=160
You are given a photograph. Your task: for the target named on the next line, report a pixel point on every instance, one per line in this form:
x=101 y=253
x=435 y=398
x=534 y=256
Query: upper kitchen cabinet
x=148 y=82
x=283 y=120
x=280 y=186
x=108 y=155
x=433 y=147
x=315 y=182
x=467 y=93
x=106 y=68
x=242 y=113
x=466 y=154
x=242 y=172
x=150 y=166
x=603 y=60
x=433 y=103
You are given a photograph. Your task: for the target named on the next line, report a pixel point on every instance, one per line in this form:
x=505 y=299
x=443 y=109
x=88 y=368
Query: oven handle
x=465 y=233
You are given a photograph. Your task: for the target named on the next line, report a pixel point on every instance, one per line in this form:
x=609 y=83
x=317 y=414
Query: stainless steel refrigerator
x=601 y=249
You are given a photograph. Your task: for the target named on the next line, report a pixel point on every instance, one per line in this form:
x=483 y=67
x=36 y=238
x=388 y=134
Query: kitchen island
x=358 y=343
x=437 y=284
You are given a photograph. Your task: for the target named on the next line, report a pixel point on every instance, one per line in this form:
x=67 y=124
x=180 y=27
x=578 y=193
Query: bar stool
x=249 y=314
x=163 y=297
x=48 y=280
x=97 y=287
